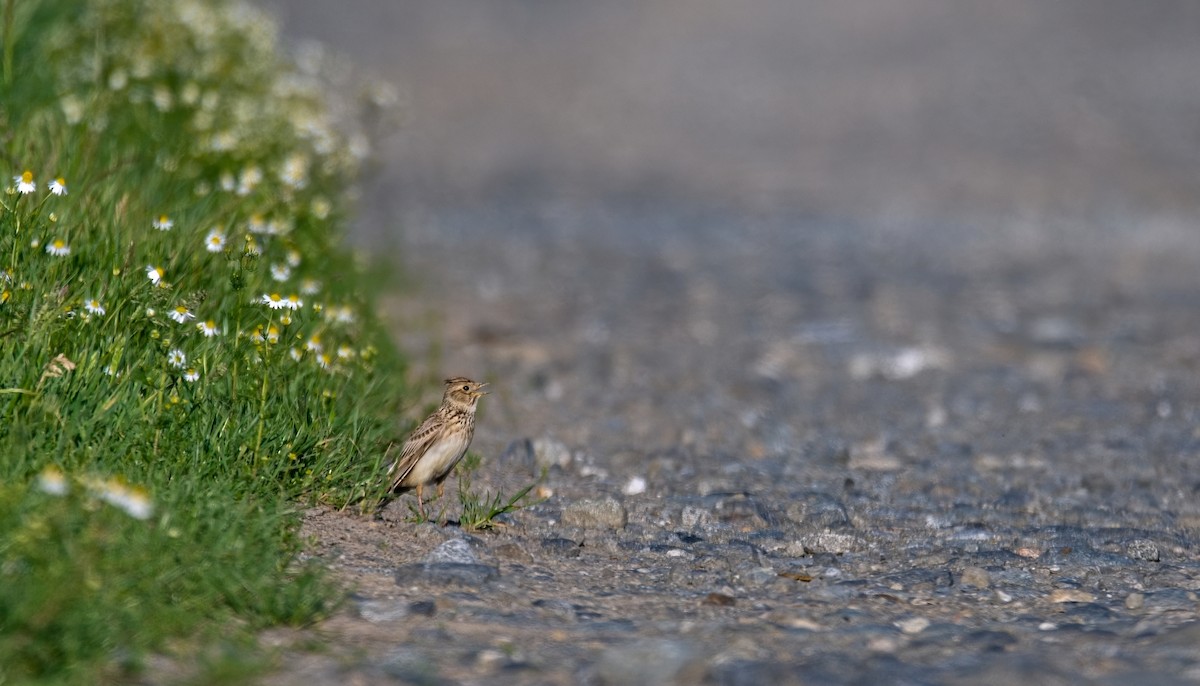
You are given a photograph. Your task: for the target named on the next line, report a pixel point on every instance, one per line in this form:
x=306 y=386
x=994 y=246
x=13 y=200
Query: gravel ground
x=938 y=426
x=780 y=452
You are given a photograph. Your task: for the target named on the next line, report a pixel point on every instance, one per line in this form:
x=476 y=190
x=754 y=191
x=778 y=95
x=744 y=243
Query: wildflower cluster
x=174 y=304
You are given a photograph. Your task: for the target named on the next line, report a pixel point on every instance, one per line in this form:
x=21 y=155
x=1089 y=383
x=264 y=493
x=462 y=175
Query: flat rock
x=603 y=513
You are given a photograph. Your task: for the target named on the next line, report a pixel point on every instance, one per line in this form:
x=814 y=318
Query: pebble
x=562 y=546
x=1134 y=601
x=456 y=550
x=635 y=486
x=380 y=611
x=975 y=576
x=826 y=542
x=604 y=513
x=1071 y=595
x=548 y=452
x=446 y=573
x=913 y=625
x=817 y=511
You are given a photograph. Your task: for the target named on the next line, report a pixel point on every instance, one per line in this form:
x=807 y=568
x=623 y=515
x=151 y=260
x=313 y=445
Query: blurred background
x=873 y=110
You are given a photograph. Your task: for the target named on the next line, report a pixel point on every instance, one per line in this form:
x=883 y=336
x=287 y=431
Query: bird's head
x=465 y=391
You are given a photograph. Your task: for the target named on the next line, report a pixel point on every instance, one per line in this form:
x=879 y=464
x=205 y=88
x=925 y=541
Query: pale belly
x=434 y=464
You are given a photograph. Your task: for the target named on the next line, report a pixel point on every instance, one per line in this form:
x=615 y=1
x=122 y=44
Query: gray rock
x=975 y=576
x=381 y=611
x=605 y=513
x=456 y=550
x=548 y=453
x=447 y=573
x=817 y=510
x=562 y=546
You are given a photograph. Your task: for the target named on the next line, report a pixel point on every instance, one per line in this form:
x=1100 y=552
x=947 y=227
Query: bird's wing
x=416 y=446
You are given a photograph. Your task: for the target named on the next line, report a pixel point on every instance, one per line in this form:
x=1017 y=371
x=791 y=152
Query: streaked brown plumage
x=430 y=453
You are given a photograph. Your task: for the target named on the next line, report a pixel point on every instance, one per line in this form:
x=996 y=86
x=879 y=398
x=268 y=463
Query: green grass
x=151 y=473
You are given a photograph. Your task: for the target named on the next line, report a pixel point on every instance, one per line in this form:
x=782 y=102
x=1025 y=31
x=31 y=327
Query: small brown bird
x=430 y=453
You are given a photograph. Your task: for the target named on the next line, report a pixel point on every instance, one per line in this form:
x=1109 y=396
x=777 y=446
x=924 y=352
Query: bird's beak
x=479 y=392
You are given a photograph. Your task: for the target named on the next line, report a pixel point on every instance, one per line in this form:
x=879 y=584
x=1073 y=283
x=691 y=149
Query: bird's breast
x=438 y=460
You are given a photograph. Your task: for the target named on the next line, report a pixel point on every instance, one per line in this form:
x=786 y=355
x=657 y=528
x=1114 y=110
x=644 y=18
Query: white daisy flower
x=296 y=353
x=293 y=258
x=258 y=224
x=273 y=334
x=274 y=301
x=163 y=223
x=294 y=302
x=25 y=184
x=249 y=180
x=345 y=352
x=324 y=361
x=191 y=375
x=52 y=481
x=313 y=344
x=214 y=241
x=58 y=186
x=208 y=328
x=310 y=286
x=181 y=314
x=228 y=183
x=58 y=247
x=295 y=171
x=176 y=358
x=321 y=208
x=93 y=305
x=155 y=274
x=134 y=501
x=281 y=272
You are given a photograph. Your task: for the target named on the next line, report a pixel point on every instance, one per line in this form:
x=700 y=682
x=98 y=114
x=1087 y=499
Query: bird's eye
x=466 y=388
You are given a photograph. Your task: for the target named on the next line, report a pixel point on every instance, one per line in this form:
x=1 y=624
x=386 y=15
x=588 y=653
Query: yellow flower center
x=27 y=177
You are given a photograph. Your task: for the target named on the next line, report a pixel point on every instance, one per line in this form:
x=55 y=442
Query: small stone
x=382 y=611
x=455 y=550
x=563 y=546
x=874 y=456
x=635 y=486
x=1143 y=549
x=1003 y=597
x=605 y=513
x=975 y=576
x=490 y=658
x=826 y=542
x=1135 y=601
x=719 y=599
x=548 y=453
x=1071 y=595
x=912 y=625
x=447 y=573
x=818 y=511
x=423 y=608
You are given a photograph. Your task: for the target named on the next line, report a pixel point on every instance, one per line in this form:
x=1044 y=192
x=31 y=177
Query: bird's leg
x=420 y=502
x=441 y=489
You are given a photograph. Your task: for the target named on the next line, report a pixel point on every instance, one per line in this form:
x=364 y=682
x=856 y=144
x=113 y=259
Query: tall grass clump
x=185 y=352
